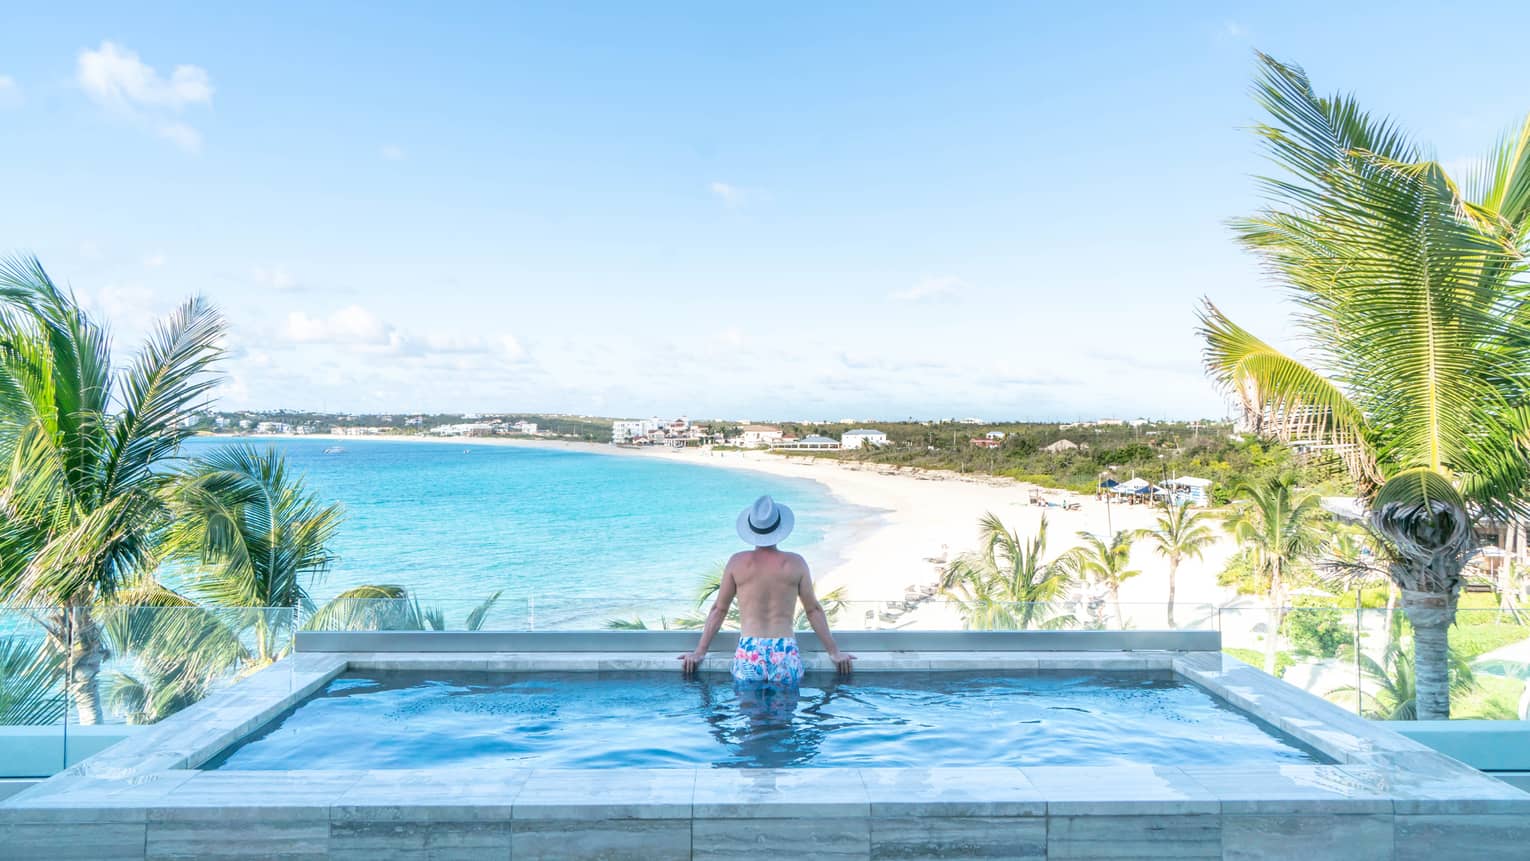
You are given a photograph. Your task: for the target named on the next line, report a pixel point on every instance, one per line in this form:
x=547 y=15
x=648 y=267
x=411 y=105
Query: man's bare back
x=768 y=584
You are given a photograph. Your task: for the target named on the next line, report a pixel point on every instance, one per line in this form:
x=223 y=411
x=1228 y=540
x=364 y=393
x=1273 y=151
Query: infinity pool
x=395 y=720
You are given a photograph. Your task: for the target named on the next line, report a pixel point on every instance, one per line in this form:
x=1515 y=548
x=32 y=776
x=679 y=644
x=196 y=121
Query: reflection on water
x=421 y=720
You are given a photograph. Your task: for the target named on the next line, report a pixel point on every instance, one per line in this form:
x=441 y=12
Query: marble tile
x=1091 y=837
x=438 y=841
x=1120 y=790
x=295 y=793
x=928 y=838
x=771 y=793
x=646 y=793
x=84 y=841
x=1294 y=788
x=1473 y=837
x=1434 y=784
x=406 y=795
x=816 y=838
x=947 y=792
x=605 y=839
x=251 y=833
x=1363 y=837
x=88 y=799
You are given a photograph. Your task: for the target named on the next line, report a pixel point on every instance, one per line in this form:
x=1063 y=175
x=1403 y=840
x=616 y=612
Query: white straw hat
x=765 y=523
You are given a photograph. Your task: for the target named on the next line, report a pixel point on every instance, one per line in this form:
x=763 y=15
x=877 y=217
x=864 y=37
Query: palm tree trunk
x=1431 y=614
x=82 y=664
x=1115 y=601
x=1277 y=616
x=1173 y=566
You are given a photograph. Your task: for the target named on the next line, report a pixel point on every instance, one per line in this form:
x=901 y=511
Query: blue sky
x=874 y=210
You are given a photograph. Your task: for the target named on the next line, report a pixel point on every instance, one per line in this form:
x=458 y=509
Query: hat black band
x=767 y=529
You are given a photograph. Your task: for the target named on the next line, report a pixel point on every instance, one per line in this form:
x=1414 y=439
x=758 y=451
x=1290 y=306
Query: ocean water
x=570 y=537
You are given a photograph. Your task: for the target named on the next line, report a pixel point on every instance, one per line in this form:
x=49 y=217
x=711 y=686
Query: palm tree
x=1105 y=562
x=252 y=533
x=1280 y=527
x=1007 y=585
x=1393 y=690
x=1180 y=533
x=1414 y=313
x=29 y=683
x=84 y=450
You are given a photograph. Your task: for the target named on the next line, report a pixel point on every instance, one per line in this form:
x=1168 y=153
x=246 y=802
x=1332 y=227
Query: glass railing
x=918 y=612
x=75 y=681
x=34 y=706
x=1362 y=658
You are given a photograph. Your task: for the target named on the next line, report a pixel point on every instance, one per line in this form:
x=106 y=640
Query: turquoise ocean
x=570 y=537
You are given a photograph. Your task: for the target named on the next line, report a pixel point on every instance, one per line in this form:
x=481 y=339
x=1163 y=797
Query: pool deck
x=1385 y=797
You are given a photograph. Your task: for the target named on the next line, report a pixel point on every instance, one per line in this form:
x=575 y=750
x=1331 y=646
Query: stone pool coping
x=1383 y=797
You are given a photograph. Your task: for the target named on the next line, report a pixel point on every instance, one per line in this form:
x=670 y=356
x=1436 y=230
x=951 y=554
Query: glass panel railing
x=493 y=613
x=34 y=706
x=1490 y=651
x=1363 y=658
x=162 y=659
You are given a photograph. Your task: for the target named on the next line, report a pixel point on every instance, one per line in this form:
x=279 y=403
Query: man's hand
x=842 y=662
x=690 y=661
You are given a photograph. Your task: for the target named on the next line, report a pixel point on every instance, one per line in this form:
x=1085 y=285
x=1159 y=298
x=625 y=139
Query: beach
x=909 y=522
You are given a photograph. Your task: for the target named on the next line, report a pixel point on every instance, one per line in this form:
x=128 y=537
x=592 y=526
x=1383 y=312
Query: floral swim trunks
x=771 y=660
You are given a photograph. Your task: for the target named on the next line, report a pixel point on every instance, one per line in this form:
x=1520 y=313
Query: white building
x=272 y=427
x=812 y=442
x=862 y=437
x=998 y=435
x=464 y=429
x=628 y=432
x=1189 y=490
x=527 y=428
x=759 y=436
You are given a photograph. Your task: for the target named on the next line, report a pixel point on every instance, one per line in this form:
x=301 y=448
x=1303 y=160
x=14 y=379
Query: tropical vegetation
x=1278 y=527
x=98 y=503
x=1180 y=532
x=1413 y=312
x=1105 y=563
x=1007 y=584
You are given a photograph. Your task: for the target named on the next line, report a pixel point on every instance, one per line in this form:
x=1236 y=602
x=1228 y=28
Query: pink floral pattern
x=773 y=660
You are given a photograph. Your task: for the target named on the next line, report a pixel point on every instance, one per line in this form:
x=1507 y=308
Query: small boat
x=335 y=449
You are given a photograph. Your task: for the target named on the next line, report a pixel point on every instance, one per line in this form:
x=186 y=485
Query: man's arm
x=726 y=590
x=820 y=621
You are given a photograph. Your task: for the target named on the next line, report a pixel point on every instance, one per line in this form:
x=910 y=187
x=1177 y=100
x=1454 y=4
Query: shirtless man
x=768 y=584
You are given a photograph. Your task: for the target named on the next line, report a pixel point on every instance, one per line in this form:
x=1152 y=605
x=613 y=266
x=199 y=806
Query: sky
x=874 y=210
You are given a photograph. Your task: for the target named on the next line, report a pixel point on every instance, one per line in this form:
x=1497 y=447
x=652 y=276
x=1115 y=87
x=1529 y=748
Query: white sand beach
x=924 y=516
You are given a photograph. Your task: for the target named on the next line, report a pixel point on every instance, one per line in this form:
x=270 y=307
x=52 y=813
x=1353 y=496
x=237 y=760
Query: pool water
x=395 y=720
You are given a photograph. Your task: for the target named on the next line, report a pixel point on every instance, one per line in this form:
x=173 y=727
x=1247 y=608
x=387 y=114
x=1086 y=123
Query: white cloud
x=351 y=325
x=393 y=152
x=154 y=260
x=933 y=289
x=275 y=277
x=512 y=348
x=10 y=92
x=183 y=136
x=728 y=194
x=731 y=337
x=735 y=196
x=116 y=79
x=362 y=331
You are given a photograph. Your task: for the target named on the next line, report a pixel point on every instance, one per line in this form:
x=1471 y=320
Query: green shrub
x=1318 y=631
x=1254 y=657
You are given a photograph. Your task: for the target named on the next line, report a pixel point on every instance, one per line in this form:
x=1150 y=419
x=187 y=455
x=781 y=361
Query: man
x=768 y=584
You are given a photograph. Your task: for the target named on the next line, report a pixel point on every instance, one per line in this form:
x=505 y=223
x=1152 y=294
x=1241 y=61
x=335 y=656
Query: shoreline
x=908 y=522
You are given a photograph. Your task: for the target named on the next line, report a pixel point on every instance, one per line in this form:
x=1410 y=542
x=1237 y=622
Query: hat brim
x=774 y=536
